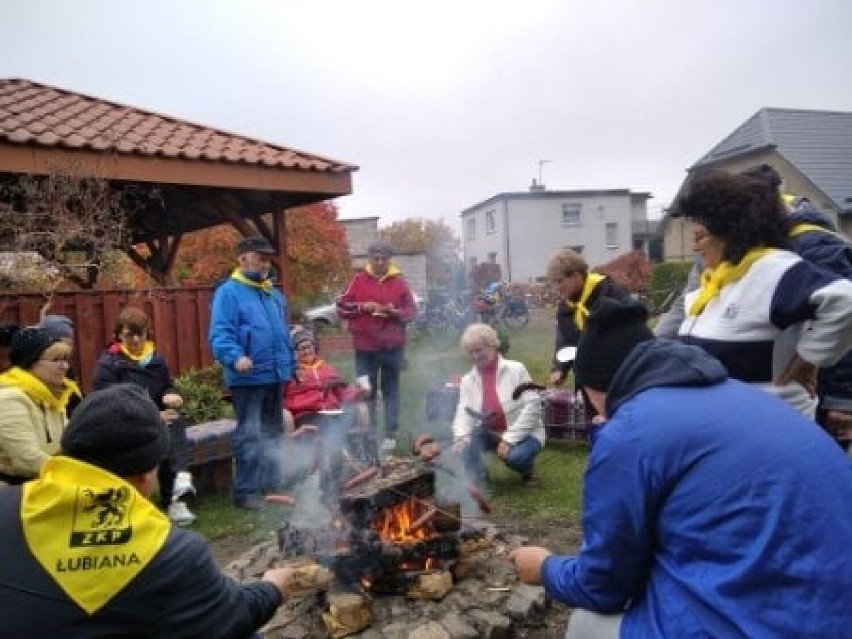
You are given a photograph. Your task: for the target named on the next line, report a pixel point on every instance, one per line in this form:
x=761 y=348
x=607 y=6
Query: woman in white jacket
x=487 y=418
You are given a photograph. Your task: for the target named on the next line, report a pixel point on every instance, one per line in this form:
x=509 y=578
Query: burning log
x=361 y=478
x=422 y=520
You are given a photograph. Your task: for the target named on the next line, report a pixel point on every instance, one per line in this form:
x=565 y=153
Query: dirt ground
x=556 y=535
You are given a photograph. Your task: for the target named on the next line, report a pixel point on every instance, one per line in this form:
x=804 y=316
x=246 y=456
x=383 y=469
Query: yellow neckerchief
x=313 y=366
x=579 y=307
x=805 y=227
x=90 y=530
x=714 y=280
x=37 y=390
x=265 y=285
x=143 y=357
x=392 y=270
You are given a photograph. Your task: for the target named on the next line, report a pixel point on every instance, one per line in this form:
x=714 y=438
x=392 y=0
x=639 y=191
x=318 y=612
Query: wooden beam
x=21 y=158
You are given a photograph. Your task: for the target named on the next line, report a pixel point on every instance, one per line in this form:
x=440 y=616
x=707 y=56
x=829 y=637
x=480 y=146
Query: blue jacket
x=248 y=321
x=833 y=253
x=711 y=509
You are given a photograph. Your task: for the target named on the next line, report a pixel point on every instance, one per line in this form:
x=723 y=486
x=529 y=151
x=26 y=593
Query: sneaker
x=180 y=514
x=183 y=485
x=388 y=445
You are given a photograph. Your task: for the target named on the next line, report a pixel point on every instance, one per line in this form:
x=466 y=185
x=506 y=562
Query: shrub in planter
x=201 y=390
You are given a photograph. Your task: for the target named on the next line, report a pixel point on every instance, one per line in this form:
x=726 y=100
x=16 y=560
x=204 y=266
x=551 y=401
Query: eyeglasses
x=56 y=360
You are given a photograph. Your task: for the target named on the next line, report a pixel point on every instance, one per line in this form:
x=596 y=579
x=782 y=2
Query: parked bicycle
x=497 y=305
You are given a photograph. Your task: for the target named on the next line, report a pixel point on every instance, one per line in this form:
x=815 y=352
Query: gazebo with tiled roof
x=203 y=176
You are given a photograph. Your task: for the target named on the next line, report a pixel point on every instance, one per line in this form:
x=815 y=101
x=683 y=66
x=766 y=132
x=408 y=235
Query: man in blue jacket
x=710 y=507
x=85 y=554
x=250 y=338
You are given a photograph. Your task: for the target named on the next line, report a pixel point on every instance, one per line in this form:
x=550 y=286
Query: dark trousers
x=258 y=440
x=382 y=368
x=176 y=460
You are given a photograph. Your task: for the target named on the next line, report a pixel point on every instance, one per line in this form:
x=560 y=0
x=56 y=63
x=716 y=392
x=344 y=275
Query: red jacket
x=369 y=332
x=312 y=392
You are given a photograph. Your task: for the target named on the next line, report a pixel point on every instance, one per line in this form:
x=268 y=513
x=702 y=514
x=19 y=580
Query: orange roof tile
x=41 y=115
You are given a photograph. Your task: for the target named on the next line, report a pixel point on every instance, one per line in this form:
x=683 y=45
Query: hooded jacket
x=249 y=321
x=180 y=593
x=373 y=332
x=826 y=248
x=711 y=509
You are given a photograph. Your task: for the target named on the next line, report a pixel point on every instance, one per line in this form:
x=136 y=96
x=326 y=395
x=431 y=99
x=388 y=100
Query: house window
x=492 y=257
x=611 y=235
x=577 y=248
x=571 y=215
x=471 y=229
x=490 y=224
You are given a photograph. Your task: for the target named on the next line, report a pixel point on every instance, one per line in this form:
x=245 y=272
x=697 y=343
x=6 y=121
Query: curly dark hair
x=743 y=211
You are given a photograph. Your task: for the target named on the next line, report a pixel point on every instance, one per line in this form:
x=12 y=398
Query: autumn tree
x=317 y=255
x=317 y=252
x=433 y=238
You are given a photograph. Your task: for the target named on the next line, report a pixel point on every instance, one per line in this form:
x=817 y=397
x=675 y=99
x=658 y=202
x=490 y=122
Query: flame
x=393 y=524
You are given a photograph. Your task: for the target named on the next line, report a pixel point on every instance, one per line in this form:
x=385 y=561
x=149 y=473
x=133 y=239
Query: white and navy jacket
x=524 y=416
x=782 y=306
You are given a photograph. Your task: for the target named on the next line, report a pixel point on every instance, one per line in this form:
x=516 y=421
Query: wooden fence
x=180 y=318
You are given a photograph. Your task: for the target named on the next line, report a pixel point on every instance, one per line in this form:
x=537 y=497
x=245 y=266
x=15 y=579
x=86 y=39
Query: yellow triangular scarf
x=579 y=307
x=714 y=280
x=265 y=285
x=89 y=529
x=144 y=356
x=392 y=270
x=37 y=390
x=805 y=227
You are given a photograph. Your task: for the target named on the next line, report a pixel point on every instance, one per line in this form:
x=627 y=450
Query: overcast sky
x=445 y=103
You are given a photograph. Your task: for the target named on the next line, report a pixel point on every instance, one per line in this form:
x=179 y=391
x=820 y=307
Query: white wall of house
x=521 y=231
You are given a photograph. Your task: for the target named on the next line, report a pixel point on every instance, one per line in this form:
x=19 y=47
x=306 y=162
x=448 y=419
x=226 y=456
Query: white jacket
x=524 y=416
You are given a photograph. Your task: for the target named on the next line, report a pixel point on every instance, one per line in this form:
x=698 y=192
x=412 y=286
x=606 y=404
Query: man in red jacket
x=378 y=304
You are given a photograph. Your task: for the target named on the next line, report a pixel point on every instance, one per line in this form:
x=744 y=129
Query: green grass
x=431 y=361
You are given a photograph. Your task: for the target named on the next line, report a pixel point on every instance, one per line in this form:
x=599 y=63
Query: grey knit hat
x=118 y=429
x=58 y=326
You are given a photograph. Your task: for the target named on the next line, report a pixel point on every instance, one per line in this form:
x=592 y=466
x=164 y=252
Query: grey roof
x=817 y=143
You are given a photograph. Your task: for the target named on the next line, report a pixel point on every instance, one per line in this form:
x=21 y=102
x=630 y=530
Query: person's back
x=84 y=553
x=740 y=496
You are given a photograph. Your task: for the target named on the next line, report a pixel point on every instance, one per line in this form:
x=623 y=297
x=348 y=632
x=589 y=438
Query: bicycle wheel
x=517 y=318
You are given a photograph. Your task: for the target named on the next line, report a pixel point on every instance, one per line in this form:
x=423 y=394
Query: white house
x=521 y=231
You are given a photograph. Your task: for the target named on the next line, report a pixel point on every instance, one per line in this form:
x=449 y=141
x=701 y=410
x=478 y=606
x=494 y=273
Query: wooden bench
x=210 y=455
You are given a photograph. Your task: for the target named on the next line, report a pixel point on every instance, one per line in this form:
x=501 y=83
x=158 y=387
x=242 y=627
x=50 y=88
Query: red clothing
x=311 y=393
x=369 y=332
x=490 y=400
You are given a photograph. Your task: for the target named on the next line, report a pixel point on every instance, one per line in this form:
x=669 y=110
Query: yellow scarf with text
x=581 y=312
x=265 y=285
x=714 y=280
x=90 y=530
x=37 y=390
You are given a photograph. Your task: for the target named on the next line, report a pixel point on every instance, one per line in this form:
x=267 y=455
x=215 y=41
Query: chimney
x=535 y=187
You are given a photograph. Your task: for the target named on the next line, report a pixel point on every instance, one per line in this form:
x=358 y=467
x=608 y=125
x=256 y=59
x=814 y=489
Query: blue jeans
x=258 y=439
x=383 y=368
x=520 y=459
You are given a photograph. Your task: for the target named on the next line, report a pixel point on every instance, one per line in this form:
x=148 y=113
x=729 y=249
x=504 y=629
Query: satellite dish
x=566 y=354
